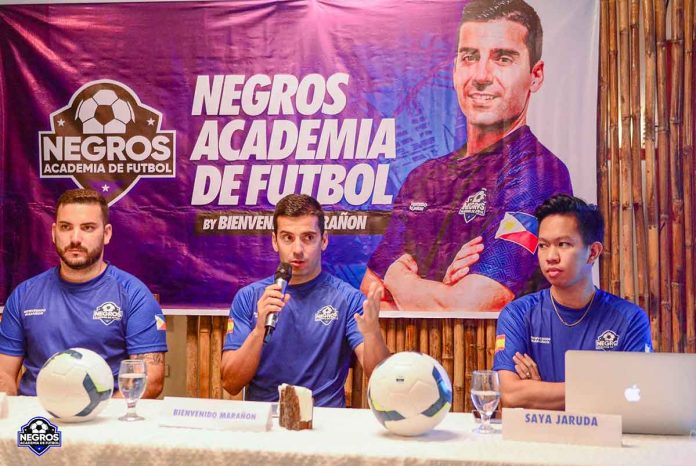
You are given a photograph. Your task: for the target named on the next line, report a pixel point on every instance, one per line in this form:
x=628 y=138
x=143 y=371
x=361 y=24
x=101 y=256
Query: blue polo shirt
x=314 y=339
x=451 y=200
x=114 y=315
x=530 y=325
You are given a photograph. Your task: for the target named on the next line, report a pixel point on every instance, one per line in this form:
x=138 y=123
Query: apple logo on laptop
x=632 y=394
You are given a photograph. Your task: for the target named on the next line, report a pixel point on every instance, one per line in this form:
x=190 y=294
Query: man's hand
x=369 y=321
x=271 y=301
x=525 y=367
x=467 y=256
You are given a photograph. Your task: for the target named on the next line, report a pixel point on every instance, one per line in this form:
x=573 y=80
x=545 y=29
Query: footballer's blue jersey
x=114 y=315
x=313 y=343
x=530 y=325
x=451 y=200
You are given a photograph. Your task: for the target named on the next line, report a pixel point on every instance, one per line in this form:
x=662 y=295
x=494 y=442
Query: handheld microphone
x=282 y=276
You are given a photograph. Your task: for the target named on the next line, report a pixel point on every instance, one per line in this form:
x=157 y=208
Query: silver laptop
x=655 y=393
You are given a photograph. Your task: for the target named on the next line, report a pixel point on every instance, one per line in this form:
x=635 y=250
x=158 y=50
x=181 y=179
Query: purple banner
x=195 y=118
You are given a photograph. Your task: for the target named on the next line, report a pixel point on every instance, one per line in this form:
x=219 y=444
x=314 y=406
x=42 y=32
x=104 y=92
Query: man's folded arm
x=9 y=369
x=532 y=394
x=472 y=293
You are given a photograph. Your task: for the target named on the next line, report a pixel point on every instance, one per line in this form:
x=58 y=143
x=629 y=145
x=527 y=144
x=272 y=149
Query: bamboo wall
x=645 y=163
x=645 y=178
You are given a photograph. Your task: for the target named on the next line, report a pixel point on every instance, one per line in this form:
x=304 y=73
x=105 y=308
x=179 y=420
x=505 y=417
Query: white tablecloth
x=340 y=437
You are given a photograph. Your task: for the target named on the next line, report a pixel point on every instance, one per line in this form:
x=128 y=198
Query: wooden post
x=470 y=358
x=192 y=356
x=400 y=335
x=216 y=337
x=602 y=147
x=448 y=347
x=636 y=172
x=625 y=156
x=615 y=281
x=458 y=382
x=204 y=356
x=411 y=336
x=653 y=252
x=689 y=167
x=665 y=232
x=675 y=173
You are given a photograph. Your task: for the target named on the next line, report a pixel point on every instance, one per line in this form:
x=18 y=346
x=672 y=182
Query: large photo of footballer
x=462 y=235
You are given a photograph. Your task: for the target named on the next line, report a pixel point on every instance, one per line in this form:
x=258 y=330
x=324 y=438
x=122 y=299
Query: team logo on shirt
x=326 y=315
x=519 y=228
x=230 y=325
x=475 y=205
x=107 y=313
x=608 y=340
x=34 y=312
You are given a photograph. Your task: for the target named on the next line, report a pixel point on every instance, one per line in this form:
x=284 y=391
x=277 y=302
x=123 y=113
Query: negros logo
x=106 y=139
x=39 y=435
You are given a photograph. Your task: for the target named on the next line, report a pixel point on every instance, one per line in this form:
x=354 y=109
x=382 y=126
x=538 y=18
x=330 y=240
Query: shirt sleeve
x=241 y=320
x=393 y=241
x=638 y=337
x=510 y=237
x=145 y=329
x=511 y=337
x=352 y=332
x=12 y=328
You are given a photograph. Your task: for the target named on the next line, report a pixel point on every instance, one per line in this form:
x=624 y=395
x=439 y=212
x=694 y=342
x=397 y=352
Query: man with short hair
x=535 y=331
x=462 y=235
x=322 y=321
x=84 y=302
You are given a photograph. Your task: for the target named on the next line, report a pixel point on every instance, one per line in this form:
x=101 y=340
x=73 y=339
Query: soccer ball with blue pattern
x=75 y=385
x=409 y=393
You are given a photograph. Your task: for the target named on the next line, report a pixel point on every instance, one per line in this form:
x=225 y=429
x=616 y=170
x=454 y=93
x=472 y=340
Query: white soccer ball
x=409 y=393
x=75 y=385
x=104 y=113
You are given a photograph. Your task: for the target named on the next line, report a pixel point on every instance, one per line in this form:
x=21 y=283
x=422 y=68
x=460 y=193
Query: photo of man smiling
x=462 y=234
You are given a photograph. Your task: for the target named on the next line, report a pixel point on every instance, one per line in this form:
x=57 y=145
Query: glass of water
x=132 y=379
x=485 y=393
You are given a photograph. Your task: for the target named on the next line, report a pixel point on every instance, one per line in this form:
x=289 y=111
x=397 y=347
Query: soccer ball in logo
x=107 y=307
x=38 y=427
x=75 y=385
x=409 y=393
x=104 y=113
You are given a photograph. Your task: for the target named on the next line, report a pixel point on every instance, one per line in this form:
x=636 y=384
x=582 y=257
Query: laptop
x=655 y=393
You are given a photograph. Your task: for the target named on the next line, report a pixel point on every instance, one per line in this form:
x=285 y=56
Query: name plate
x=536 y=425
x=215 y=414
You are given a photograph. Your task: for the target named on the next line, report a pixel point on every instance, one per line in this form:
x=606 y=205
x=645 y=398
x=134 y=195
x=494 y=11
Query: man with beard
x=83 y=302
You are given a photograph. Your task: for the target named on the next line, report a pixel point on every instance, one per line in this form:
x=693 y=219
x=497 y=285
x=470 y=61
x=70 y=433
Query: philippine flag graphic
x=519 y=228
x=161 y=322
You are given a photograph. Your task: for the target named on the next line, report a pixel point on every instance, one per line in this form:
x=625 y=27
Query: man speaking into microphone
x=320 y=320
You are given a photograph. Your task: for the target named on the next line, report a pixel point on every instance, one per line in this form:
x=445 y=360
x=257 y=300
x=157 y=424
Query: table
x=340 y=437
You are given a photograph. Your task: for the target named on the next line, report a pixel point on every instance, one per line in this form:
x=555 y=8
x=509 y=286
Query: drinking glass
x=485 y=393
x=132 y=379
